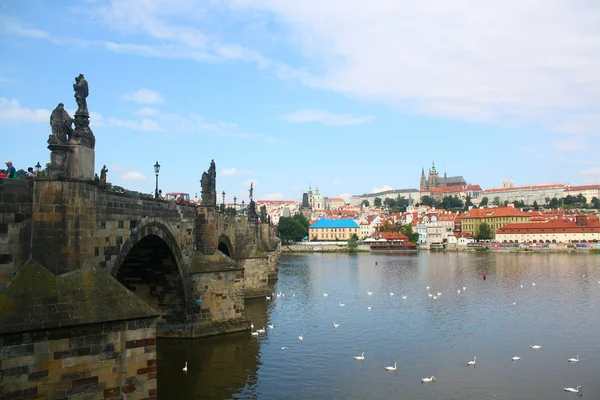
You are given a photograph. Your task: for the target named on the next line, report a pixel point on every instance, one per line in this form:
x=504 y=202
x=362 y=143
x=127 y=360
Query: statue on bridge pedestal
x=81 y=93
x=61 y=124
x=209 y=185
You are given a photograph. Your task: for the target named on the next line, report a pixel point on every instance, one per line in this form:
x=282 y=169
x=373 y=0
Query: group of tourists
x=11 y=173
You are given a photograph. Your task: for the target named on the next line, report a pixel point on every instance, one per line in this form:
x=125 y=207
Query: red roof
x=393 y=236
x=585 y=187
x=494 y=212
x=556 y=226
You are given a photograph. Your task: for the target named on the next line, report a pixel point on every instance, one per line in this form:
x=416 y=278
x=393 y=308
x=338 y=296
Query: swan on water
x=458 y=291
x=464 y=288
x=435 y=297
x=427 y=287
x=391 y=293
x=251 y=325
x=516 y=358
x=369 y=293
x=184 y=369
x=335 y=325
x=255 y=333
x=404 y=297
x=270 y=326
x=473 y=361
x=574 y=360
x=361 y=357
x=574 y=390
x=521 y=285
x=300 y=338
x=390 y=368
x=532 y=283
x=430 y=294
x=369 y=308
x=439 y=293
x=342 y=304
x=268 y=297
x=535 y=346
x=427 y=380
x=261 y=330
x=325 y=294
x=284 y=348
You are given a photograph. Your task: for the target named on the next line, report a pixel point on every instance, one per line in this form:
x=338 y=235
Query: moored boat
x=394 y=247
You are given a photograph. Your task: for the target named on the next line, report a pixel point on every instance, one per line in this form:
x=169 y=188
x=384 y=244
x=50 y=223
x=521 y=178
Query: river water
x=494 y=320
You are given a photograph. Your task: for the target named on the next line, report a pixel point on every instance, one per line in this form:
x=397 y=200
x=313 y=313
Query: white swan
x=435 y=297
x=427 y=287
x=464 y=288
x=516 y=358
x=271 y=327
x=255 y=333
x=361 y=357
x=472 y=362
x=521 y=286
x=369 y=308
x=427 y=380
x=392 y=368
x=251 y=325
x=430 y=294
x=458 y=291
x=261 y=330
x=573 y=390
x=184 y=369
x=532 y=283
x=439 y=293
x=535 y=346
x=370 y=293
x=574 y=360
x=268 y=297
x=325 y=294
x=300 y=338
x=335 y=325
x=391 y=293
x=284 y=348
x=342 y=304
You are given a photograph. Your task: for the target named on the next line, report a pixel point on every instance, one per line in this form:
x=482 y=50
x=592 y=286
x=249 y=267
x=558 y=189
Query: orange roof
x=585 y=187
x=494 y=212
x=556 y=226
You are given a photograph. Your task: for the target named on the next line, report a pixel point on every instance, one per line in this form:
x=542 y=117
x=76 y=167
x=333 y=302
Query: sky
x=348 y=96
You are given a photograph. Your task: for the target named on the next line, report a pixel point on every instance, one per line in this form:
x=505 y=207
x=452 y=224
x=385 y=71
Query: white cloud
x=143 y=125
x=144 y=96
x=336 y=182
x=273 y=196
x=229 y=172
x=567 y=145
x=383 y=189
x=592 y=175
x=146 y=112
x=467 y=59
x=11 y=111
x=133 y=176
x=327 y=118
x=12 y=27
x=346 y=197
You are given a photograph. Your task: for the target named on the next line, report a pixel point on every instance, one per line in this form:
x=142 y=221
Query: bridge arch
x=225 y=246
x=150 y=264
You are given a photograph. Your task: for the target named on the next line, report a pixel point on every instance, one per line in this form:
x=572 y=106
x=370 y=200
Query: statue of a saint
x=251 y=191
x=103 y=172
x=60 y=122
x=81 y=92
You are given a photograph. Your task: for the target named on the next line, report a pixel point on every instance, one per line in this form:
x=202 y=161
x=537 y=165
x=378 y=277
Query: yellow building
x=335 y=229
x=494 y=217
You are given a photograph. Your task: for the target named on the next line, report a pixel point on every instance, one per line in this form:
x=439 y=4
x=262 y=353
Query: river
x=551 y=300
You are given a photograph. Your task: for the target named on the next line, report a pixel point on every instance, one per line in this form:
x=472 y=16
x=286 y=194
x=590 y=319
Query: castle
x=434 y=181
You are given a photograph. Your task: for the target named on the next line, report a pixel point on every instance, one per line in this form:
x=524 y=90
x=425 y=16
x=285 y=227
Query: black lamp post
x=234 y=201
x=223 y=198
x=38 y=168
x=243 y=204
x=156 y=171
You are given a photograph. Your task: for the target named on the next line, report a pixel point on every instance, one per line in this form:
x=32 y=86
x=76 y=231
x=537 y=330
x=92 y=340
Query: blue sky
x=348 y=96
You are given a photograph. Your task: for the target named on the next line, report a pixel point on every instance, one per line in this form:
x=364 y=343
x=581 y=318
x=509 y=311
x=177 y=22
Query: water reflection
x=494 y=320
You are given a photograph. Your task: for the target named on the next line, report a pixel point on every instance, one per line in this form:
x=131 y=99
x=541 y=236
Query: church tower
x=423 y=183
x=433 y=176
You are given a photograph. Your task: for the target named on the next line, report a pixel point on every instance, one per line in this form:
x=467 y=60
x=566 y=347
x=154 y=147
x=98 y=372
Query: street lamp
x=234 y=201
x=223 y=198
x=38 y=168
x=243 y=204
x=156 y=171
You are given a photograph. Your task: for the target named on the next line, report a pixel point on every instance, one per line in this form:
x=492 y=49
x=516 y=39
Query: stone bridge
x=90 y=276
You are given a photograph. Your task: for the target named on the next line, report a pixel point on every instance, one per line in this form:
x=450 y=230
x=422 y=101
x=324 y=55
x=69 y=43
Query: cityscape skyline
x=279 y=94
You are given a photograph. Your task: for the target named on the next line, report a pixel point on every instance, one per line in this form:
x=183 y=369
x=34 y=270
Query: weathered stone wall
x=100 y=361
x=206 y=229
x=75 y=221
x=256 y=276
x=16 y=204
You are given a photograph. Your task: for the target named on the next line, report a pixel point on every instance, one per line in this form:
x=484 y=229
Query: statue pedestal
x=81 y=162
x=82 y=158
x=58 y=160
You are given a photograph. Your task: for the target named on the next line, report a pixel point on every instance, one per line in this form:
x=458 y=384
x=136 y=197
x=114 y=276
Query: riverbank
x=342 y=247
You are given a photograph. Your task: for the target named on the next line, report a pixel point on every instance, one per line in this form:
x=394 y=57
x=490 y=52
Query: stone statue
x=81 y=92
x=60 y=122
x=251 y=191
x=103 y=172
x=209 y=185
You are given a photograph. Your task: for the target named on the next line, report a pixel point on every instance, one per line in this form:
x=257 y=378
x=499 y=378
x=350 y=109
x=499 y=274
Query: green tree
x=535 y=205
x=595 y=202
x=427 y=201
x=450 y=202
x=581 y=199
x=302 y=219
x=408 y=231
x=547 y=200
x=377 y=202
x=468 y=203
x=483 y=232
x=483 y=202
x=390 y=226
x=365 y=203
x=290 y=229
x=554 y=203
x=352 y=246
x=519 y=203
x=496 y=201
